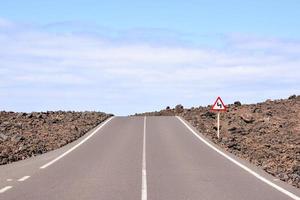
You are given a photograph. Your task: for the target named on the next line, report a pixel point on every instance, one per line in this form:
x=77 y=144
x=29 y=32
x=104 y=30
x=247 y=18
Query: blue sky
x=133 y=56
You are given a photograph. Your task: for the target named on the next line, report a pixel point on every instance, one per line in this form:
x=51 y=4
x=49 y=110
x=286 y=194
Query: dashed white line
x=5 y=189
x=77 y=145
x=23 y=178
x=144 y=172
x=284 y=191
x=9 y=180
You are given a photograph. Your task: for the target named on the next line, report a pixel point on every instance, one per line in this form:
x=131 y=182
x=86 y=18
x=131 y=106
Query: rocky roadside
x=266 y=134
x=23 y=135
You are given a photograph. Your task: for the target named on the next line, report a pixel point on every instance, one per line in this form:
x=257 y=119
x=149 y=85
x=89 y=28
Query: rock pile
x=24 y=135
x=266 y=134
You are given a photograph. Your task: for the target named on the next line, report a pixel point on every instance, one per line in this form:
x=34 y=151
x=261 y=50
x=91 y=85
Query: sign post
x=218 y=130
x=218 y=106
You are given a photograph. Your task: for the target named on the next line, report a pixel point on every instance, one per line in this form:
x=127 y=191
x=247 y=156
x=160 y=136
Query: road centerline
x=144 y=172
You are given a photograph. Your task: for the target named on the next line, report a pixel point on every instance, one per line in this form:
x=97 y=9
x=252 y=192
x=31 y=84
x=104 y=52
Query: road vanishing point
x=140 y=158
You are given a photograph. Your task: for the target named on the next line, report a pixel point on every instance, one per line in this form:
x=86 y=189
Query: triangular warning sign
x=218 y=105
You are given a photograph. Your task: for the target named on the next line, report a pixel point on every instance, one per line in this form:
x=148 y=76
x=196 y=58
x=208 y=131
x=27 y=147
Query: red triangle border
x=225 y=108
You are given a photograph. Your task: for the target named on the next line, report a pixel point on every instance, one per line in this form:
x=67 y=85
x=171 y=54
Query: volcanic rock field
x=23 y=135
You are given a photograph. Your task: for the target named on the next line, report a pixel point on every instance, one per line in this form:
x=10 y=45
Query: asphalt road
x=137 y=158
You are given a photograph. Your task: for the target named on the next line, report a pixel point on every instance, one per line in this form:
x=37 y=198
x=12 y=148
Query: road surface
x=138 y=158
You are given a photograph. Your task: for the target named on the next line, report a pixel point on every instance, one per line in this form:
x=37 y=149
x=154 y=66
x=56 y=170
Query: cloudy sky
x=128 y=56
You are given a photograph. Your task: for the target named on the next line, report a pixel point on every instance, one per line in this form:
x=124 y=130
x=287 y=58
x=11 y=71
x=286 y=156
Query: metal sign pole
x=218 y=130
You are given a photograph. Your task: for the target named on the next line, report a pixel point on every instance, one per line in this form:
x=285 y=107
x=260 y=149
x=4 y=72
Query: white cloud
x=126 y=77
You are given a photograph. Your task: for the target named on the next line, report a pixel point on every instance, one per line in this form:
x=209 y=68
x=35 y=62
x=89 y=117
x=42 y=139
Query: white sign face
x=219 y=105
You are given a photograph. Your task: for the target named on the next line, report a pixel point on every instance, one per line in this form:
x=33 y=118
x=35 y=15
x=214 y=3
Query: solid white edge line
x=77 y=145
x=144 y=172
x=23 y=178
x=284 y=191
x=5 y=189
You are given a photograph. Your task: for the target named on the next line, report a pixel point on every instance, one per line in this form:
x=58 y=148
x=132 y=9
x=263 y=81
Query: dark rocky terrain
x=24 y=135
x=266 y=134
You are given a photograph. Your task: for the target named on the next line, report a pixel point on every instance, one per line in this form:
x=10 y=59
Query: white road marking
x=284 y=191
x=5 y=189
x=144 y=172
x=23 y=178
x=77 y=145
x=9 y=179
